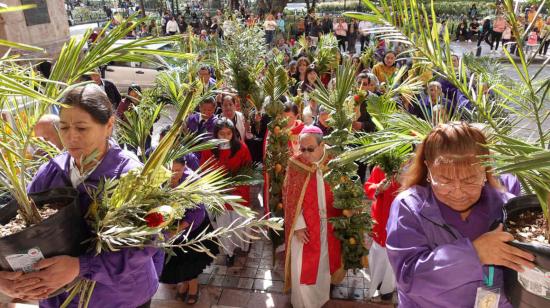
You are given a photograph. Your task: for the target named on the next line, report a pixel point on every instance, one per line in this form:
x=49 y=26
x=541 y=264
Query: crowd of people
x=436 y=231
x=497 y=30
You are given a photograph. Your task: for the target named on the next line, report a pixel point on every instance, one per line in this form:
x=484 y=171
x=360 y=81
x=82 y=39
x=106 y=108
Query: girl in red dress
x=231 y=155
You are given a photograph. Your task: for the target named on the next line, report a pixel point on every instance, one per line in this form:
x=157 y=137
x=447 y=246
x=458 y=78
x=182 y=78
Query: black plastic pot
x=61 y=234
x=516 y=293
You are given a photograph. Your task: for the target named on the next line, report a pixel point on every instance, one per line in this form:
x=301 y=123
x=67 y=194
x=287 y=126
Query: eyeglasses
x=308 y=149
x=467 y=186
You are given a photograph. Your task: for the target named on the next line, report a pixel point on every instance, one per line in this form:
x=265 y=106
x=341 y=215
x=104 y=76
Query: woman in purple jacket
x=441 y=241
x=184 y=268
x=127 y=278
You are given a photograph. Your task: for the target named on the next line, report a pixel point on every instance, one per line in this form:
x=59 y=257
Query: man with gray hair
x=312 y=251
x=47 y=129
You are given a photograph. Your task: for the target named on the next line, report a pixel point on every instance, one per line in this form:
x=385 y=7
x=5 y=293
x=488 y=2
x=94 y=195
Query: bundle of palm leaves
x=274 y=87
x=390 y=162
x=326 y=53
x=244 y=51
x=132 y=211
x=513 y=112
x=355 y=221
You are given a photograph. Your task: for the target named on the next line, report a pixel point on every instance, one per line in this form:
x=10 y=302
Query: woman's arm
x=419 y=269
x=371 y=184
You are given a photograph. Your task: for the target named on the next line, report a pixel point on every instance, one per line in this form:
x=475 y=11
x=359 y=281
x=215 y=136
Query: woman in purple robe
x=445 y=239
x=127 y=278
x=184 y=267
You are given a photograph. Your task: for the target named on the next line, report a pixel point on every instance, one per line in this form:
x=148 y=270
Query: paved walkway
x=255 y=281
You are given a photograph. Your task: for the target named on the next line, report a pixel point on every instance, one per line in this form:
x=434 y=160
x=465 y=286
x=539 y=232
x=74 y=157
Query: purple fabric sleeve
x=109 y=268
x=511 y=183
x=195 y=217
x=424 y=271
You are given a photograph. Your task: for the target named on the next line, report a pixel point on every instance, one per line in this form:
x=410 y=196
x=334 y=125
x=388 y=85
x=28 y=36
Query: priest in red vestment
x=312 y=250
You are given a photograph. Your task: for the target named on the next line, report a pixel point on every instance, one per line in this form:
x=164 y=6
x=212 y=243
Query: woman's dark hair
x=387 y=53
x=235 y=142
x=229 y=97
x=134 y=87
x=165 y=131
x=45 y=68
x=208 y=100
x=291 y=107
x=92 y=99
x=306 y=86
x=181 y=160
x=311 y=68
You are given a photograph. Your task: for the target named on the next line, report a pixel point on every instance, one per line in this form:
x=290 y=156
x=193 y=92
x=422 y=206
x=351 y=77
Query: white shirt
x=364 y=26
x=78 y=178
x=270 y=25
x=172 y=26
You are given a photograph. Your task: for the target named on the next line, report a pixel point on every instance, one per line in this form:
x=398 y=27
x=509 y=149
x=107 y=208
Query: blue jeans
x=269 y=35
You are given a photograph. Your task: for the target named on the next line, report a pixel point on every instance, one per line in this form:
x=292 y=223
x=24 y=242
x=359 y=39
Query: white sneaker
x=469 y=41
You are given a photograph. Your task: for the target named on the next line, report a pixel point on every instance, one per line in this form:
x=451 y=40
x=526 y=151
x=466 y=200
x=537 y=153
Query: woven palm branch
x=348 y=191
x=325 y=57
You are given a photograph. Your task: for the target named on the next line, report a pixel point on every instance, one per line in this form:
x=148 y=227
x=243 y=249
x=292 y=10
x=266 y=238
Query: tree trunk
x=142 y=6
x=277 y=6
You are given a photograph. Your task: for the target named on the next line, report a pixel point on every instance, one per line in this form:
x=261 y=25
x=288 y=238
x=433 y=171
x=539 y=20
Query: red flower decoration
x=154 y=219
x=356 y=98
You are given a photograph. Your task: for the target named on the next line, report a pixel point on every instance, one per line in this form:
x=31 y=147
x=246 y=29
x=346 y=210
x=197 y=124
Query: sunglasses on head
x=309 y=149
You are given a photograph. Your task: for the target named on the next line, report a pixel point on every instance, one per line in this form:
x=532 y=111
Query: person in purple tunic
x=127 y=278
x=444 y=234
x=202 y=122
x=184 y=267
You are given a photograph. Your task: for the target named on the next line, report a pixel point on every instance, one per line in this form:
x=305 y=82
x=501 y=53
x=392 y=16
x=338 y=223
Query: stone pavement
x=255 y=281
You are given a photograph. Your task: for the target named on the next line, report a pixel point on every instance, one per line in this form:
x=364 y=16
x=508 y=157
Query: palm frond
x=136 y=127
x=503 y=106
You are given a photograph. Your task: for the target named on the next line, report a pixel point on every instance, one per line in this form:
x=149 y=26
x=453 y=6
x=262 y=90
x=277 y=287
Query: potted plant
x=60 y=232
x=490 y=92
x=26 y=221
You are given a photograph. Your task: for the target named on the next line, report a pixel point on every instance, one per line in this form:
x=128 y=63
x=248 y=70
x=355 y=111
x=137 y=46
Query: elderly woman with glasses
x=445 y=239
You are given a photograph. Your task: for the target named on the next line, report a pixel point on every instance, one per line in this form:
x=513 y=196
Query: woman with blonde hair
x=270 y=25
x=444 y=233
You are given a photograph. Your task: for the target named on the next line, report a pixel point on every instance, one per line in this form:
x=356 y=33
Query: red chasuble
x=300 y=195
x=232 y=164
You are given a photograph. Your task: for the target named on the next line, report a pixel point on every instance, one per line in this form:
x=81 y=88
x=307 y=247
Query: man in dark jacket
x=107 y=86
x=369 y=83
x=327 y=24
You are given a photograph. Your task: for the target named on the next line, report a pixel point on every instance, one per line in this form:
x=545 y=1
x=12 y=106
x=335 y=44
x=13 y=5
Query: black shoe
x=386 y=297
x=229 y=261
x=192 y=299
x=181 y=296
